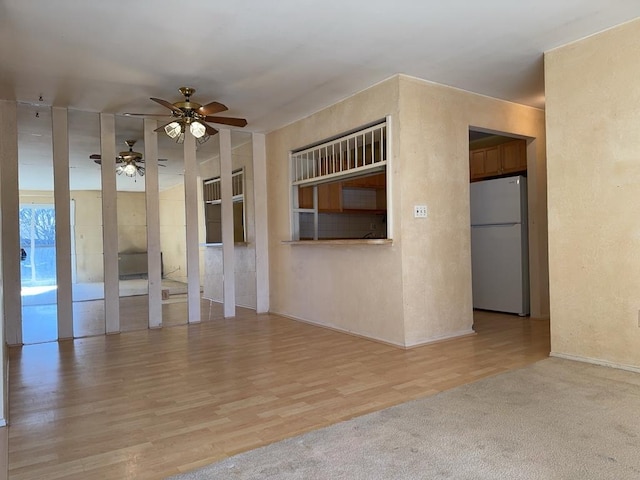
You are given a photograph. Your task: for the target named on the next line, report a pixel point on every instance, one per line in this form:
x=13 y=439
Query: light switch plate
x=420 y=211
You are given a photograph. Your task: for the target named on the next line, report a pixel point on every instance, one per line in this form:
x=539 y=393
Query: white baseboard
x=380 y=340
x=341 y=330
x=442 y=338
x=596 y=361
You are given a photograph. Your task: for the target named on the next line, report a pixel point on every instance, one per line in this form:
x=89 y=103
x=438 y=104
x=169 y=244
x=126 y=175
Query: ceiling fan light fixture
x=174 y=129
x=197 y=129
x=202 y=139
x=129 y=170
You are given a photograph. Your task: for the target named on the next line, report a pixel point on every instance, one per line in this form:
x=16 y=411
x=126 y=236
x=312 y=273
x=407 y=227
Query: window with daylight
x=339 y=186
x=213 y=208
x=37 y=245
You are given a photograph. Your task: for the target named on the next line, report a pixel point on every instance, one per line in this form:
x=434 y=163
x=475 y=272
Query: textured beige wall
x=419 y=289
x=434 y=156
x=88 y=235
x=36 y=197
x=354 y=288
x=173 y=236
x=593 y=126
x=4 y=358
x=4 y=354
x=132 y=222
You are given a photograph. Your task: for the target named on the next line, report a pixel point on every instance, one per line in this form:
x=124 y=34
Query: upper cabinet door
x=484 y=162
x=514 y=156
x=504 y=159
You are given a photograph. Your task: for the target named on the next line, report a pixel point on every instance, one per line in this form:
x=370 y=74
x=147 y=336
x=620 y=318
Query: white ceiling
x=275 y=62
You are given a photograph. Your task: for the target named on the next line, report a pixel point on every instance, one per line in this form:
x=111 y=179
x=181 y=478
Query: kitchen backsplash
x=344 y=225
x=358 y=198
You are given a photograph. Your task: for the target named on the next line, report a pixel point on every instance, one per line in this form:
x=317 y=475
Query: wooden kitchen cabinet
x=305 y=197
x=371 y=181
x=498 y=160
x=484 y=162
x=514 y=157
x=330 y=194
x=329 y=197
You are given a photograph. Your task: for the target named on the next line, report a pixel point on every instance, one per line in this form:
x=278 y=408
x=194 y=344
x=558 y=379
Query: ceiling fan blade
x=140 y=170
x=146 y=114
x=211 y=108
x=210 y=130
x=98 y=158
x=236 y=122
x=170 y=106
x=142 y=160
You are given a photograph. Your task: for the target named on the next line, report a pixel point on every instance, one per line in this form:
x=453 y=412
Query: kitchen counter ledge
x=354 y=241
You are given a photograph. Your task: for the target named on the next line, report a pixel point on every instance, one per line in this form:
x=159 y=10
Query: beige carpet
x=556 y=419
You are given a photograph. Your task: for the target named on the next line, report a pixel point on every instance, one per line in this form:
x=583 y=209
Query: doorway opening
x=499 y=223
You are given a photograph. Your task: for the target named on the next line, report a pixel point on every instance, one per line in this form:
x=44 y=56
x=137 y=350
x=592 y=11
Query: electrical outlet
x=420 y=211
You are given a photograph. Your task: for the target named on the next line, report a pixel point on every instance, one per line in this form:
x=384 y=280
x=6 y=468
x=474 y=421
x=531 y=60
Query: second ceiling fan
x=130 y=163
x=187 y=114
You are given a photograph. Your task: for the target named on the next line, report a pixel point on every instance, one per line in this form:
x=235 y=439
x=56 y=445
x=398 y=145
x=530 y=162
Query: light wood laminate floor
x=152 y=403
x=39 y=322
x=40 y=312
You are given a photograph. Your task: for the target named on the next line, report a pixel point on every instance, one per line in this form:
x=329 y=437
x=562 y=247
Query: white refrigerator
x=499 y=245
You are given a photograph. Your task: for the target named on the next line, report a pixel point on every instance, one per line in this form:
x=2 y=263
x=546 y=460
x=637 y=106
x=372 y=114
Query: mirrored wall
x=38 y=282
x=86 y=202
x=173 y=237
x=132 y=224
x=243 y=226
x=87 y=259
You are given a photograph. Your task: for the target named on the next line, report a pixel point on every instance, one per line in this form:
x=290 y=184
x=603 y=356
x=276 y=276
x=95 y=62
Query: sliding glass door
x=37 y=226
